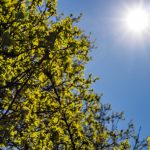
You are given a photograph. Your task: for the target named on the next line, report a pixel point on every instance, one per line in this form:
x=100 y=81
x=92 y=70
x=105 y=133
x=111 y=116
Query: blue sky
x=122 y=59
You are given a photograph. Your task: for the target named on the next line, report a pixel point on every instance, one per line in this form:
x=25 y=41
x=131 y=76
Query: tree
x=45 y=100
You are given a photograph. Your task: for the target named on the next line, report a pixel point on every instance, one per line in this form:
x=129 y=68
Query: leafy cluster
x=45 y=100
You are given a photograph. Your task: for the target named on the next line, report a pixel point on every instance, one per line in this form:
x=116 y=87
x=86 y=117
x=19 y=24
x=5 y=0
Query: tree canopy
x=46 y=102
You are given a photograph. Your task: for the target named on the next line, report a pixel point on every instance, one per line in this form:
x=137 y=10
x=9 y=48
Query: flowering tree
x=45 y=100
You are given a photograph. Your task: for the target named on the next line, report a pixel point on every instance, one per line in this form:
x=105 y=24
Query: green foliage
x=45 y=100
x=148 y=140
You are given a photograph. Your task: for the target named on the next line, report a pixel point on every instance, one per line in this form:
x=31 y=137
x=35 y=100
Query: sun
x=137 y=20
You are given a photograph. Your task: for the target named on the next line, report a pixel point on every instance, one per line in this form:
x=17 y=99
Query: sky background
x=122 y=59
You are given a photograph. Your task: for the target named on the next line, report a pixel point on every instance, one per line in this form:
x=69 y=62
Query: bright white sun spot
x=137 y=20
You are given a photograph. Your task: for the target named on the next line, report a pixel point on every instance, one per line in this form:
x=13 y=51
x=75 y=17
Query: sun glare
x=137 y=20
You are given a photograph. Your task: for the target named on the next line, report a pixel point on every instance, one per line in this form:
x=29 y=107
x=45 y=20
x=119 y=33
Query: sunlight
x=137 y=20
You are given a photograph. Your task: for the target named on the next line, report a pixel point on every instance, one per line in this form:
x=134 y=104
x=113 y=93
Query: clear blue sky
x=122 y=60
